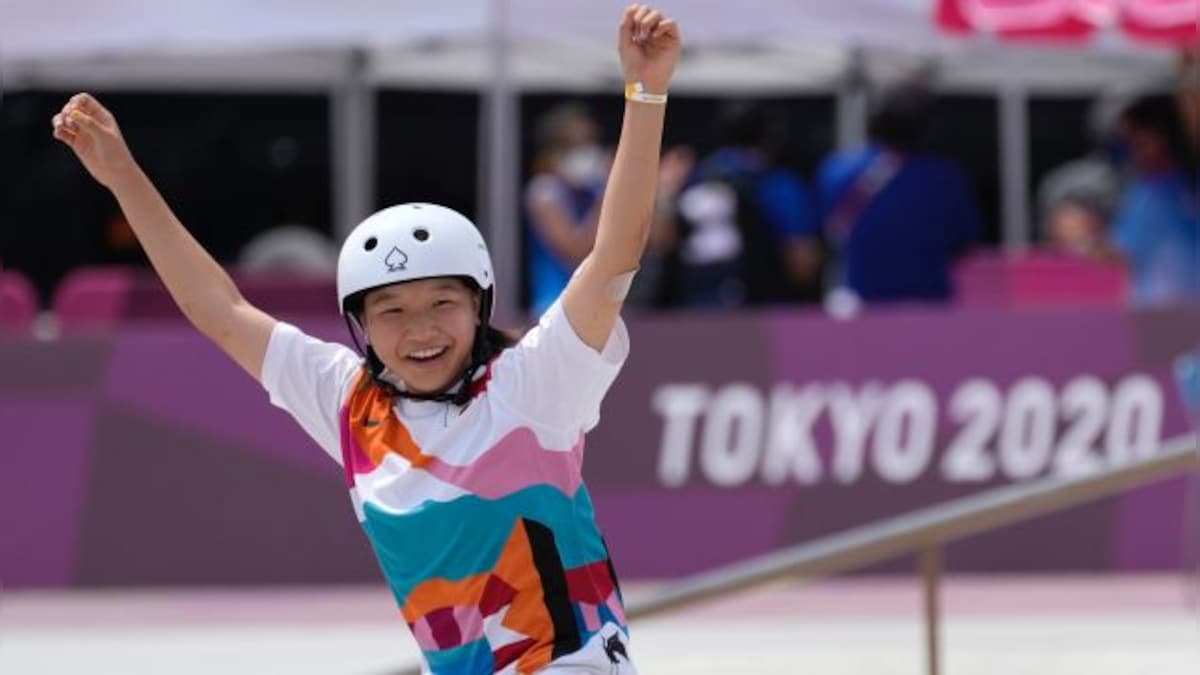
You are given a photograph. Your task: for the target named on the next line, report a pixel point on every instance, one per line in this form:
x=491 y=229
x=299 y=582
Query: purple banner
x=146 y=457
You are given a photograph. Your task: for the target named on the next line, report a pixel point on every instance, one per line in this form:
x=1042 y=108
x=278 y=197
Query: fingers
x=627 y=23
x=88 y=104
x=82 y=113
x=645 y=21
x=72 y=126
x=666 y=28
x=642 y=23
x=637 y=21
x=628 y=14
x=63 y=130
x=64 y=134
x=81 y=122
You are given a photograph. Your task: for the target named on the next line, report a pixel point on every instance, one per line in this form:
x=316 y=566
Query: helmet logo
x=396 y=260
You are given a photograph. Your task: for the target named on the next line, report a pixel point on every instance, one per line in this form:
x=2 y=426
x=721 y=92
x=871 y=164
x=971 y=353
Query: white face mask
x=582 y=165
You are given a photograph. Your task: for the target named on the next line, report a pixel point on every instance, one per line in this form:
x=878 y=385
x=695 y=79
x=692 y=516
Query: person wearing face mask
x=562 y=200
x=461 y=448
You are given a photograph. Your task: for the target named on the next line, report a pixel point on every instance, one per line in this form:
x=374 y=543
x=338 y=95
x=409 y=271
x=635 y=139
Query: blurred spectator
x=1157 y=226
x=1077 y=228
x=290 y=250
x=562 y=199
x=1077 y=199
x=747 y=228
x=650 y=286
x=896 y=217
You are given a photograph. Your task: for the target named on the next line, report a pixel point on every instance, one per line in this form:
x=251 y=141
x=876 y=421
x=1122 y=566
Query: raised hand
x=648 y=43
x=91 y=132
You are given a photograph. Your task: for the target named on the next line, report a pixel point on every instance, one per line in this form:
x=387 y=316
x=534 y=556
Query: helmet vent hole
x=421 y=234
x=371 y=243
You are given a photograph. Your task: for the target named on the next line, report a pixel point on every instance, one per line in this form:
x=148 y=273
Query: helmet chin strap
x=460 y=396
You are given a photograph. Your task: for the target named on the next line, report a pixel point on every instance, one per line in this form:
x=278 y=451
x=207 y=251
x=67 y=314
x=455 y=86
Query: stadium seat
x=91 y=297
x=1038 y=279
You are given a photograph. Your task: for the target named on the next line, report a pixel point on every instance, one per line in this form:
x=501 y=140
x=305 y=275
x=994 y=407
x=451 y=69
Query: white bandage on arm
x=618 y=287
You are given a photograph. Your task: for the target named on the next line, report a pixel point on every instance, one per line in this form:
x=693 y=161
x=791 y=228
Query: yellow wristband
x=636 y=91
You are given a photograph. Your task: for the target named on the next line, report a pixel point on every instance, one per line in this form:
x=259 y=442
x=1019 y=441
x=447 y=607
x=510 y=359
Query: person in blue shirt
x=562 y=200
x=1157 y=226
x=747 y=227
x=895 y=216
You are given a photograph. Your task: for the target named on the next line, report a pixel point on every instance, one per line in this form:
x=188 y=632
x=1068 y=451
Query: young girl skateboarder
x=461 y=448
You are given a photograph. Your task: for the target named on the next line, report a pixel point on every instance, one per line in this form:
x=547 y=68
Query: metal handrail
x=923 y=528
x=923 y=531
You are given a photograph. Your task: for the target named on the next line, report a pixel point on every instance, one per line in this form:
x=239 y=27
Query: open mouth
x=425 y=356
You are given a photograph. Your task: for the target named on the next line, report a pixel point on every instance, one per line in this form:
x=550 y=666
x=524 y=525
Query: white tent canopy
x=760 y=45
x=499 y=47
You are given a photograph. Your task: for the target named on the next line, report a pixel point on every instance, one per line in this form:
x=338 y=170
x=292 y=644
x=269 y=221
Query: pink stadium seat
x=1038 y=279
x=92 y=297
x=18 y=301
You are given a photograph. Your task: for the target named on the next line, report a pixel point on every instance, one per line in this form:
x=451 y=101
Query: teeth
x=427 y=353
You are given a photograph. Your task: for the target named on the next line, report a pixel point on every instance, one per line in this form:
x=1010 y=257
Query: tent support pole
x=499 y=168
x=1014 y=165
x=852 y=103
x=353 y=136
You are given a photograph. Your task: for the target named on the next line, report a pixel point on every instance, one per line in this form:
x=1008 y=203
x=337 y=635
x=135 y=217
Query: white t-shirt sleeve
x=553 y=378
x=309 y=378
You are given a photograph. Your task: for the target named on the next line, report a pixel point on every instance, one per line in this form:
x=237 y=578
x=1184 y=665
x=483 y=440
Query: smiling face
x=423 y=330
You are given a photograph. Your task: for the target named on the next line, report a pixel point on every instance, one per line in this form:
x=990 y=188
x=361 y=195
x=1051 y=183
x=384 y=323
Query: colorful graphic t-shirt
x=478 y=516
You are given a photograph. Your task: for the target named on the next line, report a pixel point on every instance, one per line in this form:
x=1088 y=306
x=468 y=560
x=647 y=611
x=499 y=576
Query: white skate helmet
x=409 y=242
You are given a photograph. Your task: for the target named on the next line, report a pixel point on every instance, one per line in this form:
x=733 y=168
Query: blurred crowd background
x=757 y=204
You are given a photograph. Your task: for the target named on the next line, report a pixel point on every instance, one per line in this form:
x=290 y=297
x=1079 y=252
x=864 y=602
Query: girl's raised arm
x=201 y=288
x=648 y=44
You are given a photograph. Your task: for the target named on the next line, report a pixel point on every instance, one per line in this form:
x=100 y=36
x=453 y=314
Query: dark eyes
x=393 y=311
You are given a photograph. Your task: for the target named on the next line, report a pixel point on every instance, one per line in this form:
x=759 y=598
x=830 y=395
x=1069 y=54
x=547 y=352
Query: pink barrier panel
x=1038 y=279
x=143 y=456
x=18 y=301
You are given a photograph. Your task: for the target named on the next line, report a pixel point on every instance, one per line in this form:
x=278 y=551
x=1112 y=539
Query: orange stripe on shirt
x=368 y=416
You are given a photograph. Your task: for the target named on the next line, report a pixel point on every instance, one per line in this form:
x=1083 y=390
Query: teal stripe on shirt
x=457 y=539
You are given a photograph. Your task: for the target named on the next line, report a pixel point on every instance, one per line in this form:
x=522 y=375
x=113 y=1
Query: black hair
x=901 y=118
x=1158 y=114
x=751 y=124
x=488 y=343
x=548 y=129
